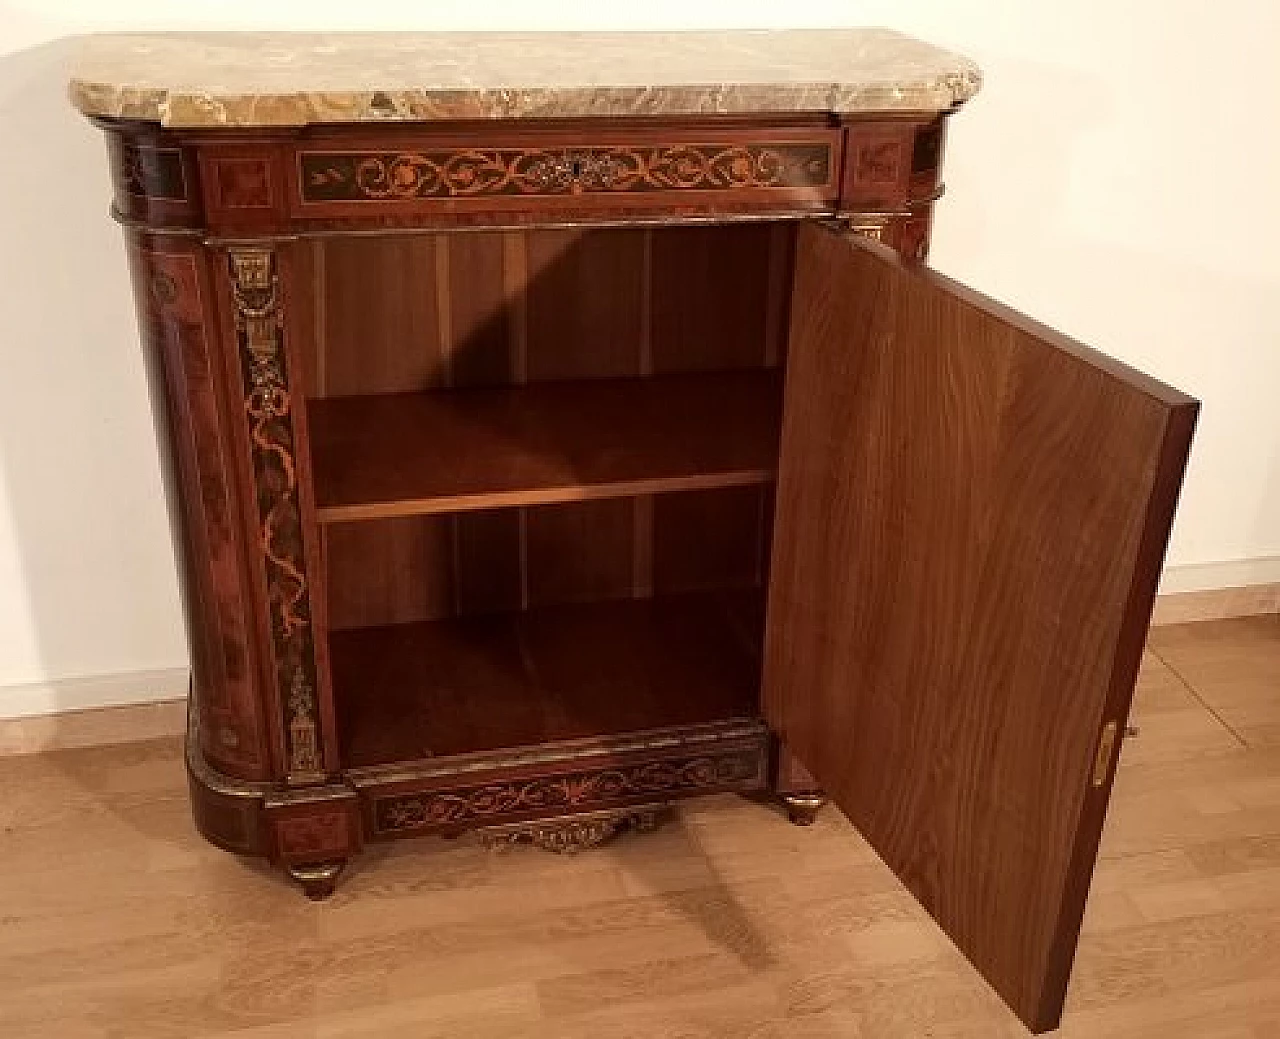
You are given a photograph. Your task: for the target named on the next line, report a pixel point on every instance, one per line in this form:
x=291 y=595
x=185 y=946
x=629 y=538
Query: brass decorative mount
x=570 y=834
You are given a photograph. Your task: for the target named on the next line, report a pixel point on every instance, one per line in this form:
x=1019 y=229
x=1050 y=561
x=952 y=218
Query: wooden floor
x=117 y=920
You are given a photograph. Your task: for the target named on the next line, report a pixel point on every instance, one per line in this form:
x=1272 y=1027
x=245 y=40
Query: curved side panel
x=171 y=288
x=227 y=813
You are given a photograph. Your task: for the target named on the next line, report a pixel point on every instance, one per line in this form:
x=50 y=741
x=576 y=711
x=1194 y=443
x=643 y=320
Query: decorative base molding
x=570 y=834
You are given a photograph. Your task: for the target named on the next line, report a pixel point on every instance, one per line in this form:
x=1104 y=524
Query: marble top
x=293 y=79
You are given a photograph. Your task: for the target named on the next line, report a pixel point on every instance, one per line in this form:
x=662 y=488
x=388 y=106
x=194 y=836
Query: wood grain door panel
x=971 y=516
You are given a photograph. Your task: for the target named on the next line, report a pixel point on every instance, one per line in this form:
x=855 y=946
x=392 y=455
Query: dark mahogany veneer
x=540 y=469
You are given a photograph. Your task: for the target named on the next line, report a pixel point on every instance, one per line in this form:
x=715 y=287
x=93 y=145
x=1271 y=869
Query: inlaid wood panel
x=972 y=512
x=171 y=287
x=301 y=832
x=878 y=161
x=243 y=185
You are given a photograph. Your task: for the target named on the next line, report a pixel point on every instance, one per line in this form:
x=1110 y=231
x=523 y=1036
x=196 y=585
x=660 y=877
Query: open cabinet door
x=972 y=513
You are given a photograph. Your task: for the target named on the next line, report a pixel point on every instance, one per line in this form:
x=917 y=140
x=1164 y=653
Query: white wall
x=1115 y=178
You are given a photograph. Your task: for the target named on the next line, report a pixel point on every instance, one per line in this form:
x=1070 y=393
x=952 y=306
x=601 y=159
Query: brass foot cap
x=802 y=809
x=318 y=879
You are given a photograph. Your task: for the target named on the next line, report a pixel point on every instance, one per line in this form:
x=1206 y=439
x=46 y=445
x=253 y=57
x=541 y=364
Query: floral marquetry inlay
x=458 y=173
x=463 y=806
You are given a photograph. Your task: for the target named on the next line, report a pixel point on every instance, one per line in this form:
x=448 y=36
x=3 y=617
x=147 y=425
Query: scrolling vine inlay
x=468 y=805
x=268 y=405
x=454 y=173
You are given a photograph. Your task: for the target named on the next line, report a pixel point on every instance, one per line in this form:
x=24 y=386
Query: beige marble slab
x=293 y=79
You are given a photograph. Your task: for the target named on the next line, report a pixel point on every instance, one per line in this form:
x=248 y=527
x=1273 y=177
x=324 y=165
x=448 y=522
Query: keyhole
x=576 y=166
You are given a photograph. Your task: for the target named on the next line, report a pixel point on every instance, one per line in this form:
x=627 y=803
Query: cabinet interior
x=543 y=465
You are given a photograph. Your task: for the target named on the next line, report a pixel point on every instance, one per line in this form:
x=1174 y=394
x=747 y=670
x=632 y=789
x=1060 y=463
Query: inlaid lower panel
x=560 y=779
x=321 y=825
x=576 y=791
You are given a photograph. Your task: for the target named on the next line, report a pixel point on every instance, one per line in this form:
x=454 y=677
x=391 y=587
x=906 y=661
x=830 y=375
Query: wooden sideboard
x=532 y=473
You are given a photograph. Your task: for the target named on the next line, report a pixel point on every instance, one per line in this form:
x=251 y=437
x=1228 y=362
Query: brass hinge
x=1106 y=750
x=867 y=225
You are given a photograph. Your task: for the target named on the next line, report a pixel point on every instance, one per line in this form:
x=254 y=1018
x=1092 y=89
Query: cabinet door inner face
x=971 y=517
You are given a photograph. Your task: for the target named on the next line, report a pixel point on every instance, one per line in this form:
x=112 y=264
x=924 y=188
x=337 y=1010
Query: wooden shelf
x=452 y=450
x=438 y=688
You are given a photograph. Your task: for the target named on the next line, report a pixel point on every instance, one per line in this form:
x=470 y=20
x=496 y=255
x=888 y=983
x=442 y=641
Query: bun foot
x=802 y=809
x=318 y=879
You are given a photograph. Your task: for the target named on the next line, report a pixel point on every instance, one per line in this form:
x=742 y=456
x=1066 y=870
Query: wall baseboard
x=139 y=705
x=1214 y=604
x=1217 y=577
x=92 y=727
x=93 y=711
x=1217 y=591
x=59 y=696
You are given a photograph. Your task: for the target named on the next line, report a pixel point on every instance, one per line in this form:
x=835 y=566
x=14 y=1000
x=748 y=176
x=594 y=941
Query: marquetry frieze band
x=269 y=410
x=586 y=789
x=334 y=176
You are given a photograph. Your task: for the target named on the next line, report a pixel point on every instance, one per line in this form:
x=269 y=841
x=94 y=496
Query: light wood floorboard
x=117 y=920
